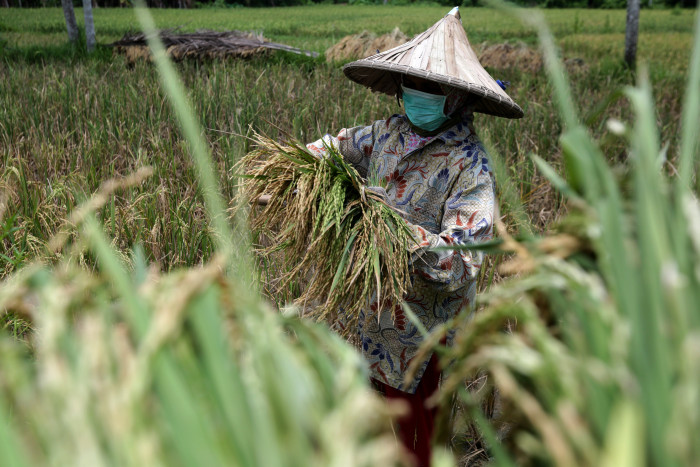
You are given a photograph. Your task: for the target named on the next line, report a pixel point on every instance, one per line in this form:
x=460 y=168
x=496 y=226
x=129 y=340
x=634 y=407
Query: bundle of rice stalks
x=364 y=44
x=505 y=56
x=342 y=240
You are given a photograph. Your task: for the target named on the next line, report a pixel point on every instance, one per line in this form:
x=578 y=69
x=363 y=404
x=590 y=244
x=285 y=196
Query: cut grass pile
x=364 y=44
x=201 y=45
x=343 y=242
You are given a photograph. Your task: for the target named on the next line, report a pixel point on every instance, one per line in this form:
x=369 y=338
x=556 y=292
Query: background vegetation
x=606 y=4
x=68 y=122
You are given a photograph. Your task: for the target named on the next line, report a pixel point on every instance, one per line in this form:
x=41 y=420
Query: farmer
x=436 y=172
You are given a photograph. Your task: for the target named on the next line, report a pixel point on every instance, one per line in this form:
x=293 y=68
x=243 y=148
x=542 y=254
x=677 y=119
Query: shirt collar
x=455 y=134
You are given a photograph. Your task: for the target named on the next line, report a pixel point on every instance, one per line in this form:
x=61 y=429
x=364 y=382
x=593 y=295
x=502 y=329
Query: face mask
x=424 y=110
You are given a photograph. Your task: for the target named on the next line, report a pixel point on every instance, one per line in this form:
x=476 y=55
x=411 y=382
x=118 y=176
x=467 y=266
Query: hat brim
x=385 y=77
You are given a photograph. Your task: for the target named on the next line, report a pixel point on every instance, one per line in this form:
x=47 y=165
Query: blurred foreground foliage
x=592 y=350
x=125 y=366
x=182 y=369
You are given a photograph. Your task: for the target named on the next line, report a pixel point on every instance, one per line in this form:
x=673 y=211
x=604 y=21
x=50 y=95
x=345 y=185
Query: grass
x=189 y=367
x=318 y=27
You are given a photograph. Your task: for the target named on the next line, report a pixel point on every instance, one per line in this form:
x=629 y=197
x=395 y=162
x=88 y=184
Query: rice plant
x=187 y=368
x=126 y=366
x=592 y=349
x=342 y=241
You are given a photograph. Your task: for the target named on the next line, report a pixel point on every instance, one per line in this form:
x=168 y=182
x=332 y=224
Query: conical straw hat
x=441 y=54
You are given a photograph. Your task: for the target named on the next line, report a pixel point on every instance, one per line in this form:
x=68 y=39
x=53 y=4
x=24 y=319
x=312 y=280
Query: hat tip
x=454 y=12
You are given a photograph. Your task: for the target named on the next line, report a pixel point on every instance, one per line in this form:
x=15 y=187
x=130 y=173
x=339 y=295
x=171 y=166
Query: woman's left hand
x=379 y=194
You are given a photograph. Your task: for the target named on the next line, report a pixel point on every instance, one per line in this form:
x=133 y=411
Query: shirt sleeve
x=355 y=144
x=467 y=218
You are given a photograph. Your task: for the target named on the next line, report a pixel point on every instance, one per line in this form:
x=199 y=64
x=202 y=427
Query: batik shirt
x=445 y=190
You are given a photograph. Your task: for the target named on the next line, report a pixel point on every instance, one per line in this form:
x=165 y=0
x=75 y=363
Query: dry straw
x=343 y=242
x=364 y=44
x=202 y=44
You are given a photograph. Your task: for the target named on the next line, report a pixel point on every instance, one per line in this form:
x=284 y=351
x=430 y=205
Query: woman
x=436 y=173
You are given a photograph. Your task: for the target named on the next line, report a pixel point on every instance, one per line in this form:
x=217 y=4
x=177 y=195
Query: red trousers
x=417 y=426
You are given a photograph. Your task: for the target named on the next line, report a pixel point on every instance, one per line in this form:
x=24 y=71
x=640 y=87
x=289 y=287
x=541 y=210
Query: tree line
x=268 y=3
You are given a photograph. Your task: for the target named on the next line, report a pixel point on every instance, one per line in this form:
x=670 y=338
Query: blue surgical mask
x=426 y=111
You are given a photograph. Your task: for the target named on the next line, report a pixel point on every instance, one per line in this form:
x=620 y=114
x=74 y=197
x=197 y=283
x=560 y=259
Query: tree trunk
x=89 y=26
x=631 y=32
x=71 y=25
x=5 y=4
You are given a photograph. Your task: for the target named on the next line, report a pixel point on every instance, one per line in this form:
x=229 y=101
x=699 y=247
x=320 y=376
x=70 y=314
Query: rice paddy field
x=69 y=122
x=595 y=375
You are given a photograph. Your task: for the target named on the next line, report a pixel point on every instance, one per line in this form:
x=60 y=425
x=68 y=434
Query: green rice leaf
x=341 y=266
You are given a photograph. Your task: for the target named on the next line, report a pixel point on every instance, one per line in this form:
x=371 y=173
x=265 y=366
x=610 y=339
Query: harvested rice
x=203 y=44
x=519 y=56
x=343 y=241
x=364 y=44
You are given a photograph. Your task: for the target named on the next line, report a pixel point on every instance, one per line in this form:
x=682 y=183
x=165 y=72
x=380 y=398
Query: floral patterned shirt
x=444 y=187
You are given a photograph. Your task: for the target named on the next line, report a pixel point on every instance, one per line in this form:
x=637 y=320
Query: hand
x=379 y=193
